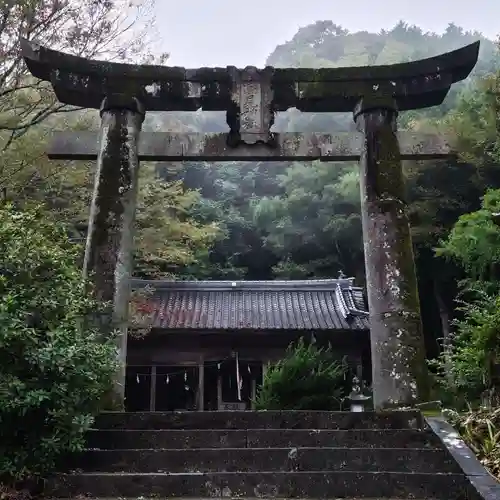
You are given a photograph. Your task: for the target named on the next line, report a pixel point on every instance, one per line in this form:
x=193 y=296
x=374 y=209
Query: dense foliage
x=469 y=369
x=307 y=378
x=54 y=367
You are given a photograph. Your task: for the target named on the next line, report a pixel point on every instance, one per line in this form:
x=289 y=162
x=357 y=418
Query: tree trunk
x=444 y=315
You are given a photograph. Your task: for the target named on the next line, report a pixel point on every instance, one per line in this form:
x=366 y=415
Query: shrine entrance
x=251 y=98
x=161 y=388
x=176 y=388
x=228 y=384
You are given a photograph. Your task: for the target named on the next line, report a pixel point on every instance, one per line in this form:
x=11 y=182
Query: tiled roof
x=331 y=304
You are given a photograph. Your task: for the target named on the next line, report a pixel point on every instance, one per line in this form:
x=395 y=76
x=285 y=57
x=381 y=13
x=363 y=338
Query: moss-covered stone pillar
x=399 y=372
x=109 y=249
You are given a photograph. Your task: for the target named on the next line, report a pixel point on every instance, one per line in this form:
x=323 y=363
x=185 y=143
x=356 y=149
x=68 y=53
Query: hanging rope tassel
x=238 y=378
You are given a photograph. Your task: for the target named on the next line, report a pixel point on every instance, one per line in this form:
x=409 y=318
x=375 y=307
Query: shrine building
x=210 y=341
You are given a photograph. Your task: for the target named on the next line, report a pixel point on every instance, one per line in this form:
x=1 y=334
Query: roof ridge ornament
x=250 y=285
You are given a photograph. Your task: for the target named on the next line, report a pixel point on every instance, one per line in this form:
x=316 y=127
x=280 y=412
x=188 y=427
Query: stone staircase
x=266 y=455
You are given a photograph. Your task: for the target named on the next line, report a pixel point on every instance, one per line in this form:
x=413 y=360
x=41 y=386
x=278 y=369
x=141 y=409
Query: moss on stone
x=396 y=328
x=84 y=82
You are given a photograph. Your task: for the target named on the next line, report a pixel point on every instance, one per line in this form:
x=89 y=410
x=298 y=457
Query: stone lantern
x=357 y=399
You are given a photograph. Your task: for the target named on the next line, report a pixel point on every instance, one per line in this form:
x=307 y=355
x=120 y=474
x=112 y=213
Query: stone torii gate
x=251 y=97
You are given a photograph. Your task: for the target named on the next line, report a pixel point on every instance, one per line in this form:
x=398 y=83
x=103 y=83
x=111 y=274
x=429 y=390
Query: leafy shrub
x=470 y=368
x=307 y=378
x=53 y=372
x=480 y=429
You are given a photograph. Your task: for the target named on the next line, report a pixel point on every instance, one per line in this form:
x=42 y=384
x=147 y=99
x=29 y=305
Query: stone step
x=260 y=420
x=260 y=438
x=239 y=498
x=266 y=459
x=318 y=485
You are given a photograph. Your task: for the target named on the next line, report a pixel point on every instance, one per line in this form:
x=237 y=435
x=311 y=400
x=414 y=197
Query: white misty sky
x=240 y=33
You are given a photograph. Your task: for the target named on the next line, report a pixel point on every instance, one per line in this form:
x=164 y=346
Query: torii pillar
x=399 y=370
x=110 y=236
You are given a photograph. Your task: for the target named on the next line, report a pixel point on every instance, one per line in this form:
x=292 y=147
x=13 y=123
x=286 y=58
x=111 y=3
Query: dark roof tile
x=333 y=304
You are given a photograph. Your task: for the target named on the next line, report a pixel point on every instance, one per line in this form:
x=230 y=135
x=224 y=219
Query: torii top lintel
x=84 y=82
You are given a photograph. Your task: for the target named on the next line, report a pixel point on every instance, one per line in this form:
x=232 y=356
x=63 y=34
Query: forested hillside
x=302 y=220
x=313 y=208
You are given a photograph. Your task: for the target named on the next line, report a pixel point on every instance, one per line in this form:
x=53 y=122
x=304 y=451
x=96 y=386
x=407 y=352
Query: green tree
x=307 y=378
x=171 y=240
x=171 y=237
x=469 y=369
x=228 y=191
x=120 y=30
x=315 y=224
x=474 y=241
x=110 y=29
x=54 y=367
x=471 y=364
